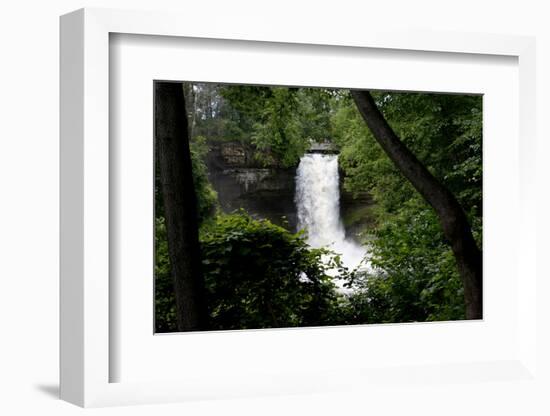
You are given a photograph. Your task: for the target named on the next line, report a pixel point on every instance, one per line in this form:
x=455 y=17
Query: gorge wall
x=268 y=191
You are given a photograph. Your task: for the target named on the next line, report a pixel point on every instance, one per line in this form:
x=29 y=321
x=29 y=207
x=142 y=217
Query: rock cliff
x=268 y=191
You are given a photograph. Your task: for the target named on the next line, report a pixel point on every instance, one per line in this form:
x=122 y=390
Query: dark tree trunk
x=451 y=216
x=180 y=207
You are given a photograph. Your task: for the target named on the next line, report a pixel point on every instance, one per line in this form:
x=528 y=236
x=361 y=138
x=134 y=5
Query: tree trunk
x=180 y=207
x=453 y=221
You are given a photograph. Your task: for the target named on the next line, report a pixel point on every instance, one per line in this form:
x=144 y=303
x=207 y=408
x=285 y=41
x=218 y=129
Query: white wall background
x=29 y=184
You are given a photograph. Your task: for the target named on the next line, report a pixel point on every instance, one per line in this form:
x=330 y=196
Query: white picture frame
x=87 y=356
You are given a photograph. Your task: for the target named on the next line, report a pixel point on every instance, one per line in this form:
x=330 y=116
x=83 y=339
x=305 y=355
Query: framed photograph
x=282 y=213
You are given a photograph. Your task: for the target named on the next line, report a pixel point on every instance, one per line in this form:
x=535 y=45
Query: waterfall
x=318 y=204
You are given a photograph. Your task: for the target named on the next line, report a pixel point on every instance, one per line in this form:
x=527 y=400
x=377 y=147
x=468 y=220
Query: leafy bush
x=414 y=275
x=257 y=275
x=207 y=197
x=165 y=303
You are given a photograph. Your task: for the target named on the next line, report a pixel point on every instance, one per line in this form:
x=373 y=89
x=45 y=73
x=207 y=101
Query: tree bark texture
x=180 y=206
x=453 y=221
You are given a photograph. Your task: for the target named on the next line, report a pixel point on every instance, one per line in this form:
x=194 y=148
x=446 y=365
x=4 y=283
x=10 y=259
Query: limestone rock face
x=233 y=154
x=241 y=181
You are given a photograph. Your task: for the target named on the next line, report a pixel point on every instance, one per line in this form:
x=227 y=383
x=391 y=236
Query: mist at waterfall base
x=318 y=207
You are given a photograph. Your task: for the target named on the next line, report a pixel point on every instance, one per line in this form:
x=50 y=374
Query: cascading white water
x=318 y=204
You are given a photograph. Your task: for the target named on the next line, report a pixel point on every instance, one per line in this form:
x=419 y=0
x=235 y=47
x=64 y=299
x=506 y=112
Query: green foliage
x=165 y=304
x=207 y=198
x=280 y=122
x=258 y=275
x=209 y=114
x=245 y=103
x=366 y=167
x=278 y=129
x=414 y=276
x=290 y=120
